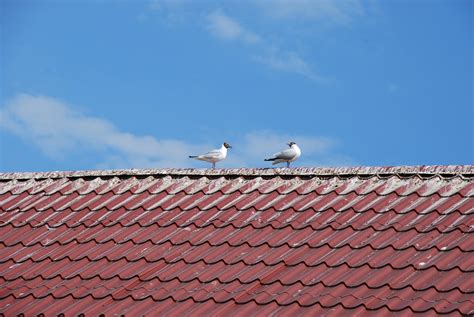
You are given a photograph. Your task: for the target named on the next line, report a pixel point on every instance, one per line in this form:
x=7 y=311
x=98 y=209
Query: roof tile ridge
x=428 y=170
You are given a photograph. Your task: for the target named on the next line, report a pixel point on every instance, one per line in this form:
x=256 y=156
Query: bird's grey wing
x=285 y=155
x=212 y=154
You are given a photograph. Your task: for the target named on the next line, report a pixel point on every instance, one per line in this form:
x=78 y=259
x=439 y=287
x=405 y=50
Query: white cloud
x=261 y=144
x=62 y=133
x=224 y=27
x=167 y=4
x=275 y=56
x=289 y=62
x=58 y=130
x=339 y=12
x=251 y=149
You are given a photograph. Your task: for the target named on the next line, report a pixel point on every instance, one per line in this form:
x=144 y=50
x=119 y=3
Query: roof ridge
x=300 y=171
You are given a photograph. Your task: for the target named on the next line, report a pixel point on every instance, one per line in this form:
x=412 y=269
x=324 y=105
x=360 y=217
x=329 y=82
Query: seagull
x=214 y=155
x=288 y=155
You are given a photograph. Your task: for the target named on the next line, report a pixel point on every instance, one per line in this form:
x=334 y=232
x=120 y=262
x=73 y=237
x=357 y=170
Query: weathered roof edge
x=464 y=170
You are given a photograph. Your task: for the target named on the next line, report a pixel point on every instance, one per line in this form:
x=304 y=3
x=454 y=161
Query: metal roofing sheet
x=235 y=242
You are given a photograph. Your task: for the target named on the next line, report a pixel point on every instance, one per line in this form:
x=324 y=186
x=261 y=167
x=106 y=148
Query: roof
x=380 y=240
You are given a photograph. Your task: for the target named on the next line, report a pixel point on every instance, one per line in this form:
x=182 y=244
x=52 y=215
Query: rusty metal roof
x=377 y=240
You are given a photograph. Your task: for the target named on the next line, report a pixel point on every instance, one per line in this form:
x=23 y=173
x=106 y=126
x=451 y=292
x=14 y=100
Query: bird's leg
x=288 y=164
x=213 y=165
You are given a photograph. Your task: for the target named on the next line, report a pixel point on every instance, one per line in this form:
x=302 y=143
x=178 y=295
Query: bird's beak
x=230 y=147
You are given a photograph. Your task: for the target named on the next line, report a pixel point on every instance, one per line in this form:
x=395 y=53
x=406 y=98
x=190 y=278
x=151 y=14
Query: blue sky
x=137 y=84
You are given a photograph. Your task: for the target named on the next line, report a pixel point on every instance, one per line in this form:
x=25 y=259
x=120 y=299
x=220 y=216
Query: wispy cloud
x=260 y=144
x=328 y=11
x=278 y=57
x=168 y=4
x=224 y=27
x=251 y=149
x=60 y=132
x=171 y=12
x=289 y=62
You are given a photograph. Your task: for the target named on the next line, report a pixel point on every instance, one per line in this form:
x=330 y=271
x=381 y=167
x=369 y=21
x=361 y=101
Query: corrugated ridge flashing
x=422 y=170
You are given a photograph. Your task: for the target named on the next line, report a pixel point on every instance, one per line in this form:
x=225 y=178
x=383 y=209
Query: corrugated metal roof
x=238 y=241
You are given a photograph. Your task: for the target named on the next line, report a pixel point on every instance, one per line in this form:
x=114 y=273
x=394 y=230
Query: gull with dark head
x=214 y=156
x=288 y=155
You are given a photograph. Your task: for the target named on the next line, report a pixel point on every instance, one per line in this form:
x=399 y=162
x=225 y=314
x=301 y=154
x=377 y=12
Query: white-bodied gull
x=214 y=155
x=288 y=155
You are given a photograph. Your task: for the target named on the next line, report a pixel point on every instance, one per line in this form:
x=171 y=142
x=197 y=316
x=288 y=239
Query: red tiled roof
x=238 y=242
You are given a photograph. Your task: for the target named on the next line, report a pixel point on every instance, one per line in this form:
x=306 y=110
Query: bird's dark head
x=227 y=145
x=291 y=143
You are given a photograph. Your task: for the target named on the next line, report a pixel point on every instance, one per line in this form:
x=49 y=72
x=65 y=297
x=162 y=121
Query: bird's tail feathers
x=270 y=159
